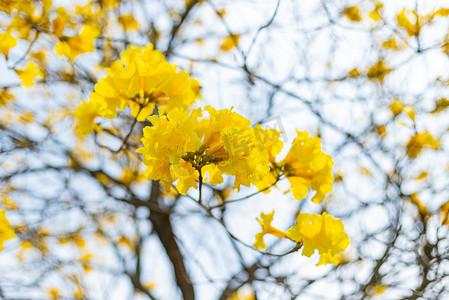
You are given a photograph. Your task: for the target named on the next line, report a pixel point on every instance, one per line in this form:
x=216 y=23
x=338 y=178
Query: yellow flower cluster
x=305 y=166
x=141 y=79
x=182 y=145
x=320 y=232
x=6 y=231
x=226 y=144
x=314 y=232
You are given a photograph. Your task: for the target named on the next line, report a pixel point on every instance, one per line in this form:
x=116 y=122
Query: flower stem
x=200 y=186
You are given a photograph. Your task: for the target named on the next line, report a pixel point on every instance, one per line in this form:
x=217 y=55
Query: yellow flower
x=149 y=285
x=7 y=6
x=230 y=42
x=306 y=166
x=130 y=175
x=166 y=142
x=352 y=13
x=391 y=44
x=265 y=223
x=6 y=231
x=421 y=141
x=271 y=142
x=375 y=13
x=142 y=79
x=320 y=232
x=180 y=146
x=378 y=71
x=128 y=22
x=5 y=97
x=354 y=73
x=78 y=44
x=440 y=105
x=7 y=41
x=58 y=25
x=111 y=3
x=79 y=294
x=54 y=294
x=247 y=159
x=421 y=176
x=410 y=26
x=397 y=106
x=86 y=114
x=8 y=202
x=30 y=72
x=381 y=130
x=85 y=261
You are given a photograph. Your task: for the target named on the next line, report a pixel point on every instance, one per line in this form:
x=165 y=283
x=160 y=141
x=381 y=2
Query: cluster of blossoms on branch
x=183 y=146
x=141 y=79
x=315 y=232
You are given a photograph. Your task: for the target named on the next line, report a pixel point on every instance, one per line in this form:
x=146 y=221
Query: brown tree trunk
x=162 y=226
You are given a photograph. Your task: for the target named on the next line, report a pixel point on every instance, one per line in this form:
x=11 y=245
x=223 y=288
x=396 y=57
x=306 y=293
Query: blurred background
x=370 y=78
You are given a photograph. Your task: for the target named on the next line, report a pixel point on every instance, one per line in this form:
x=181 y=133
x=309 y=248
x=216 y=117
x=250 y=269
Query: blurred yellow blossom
x=58 y=25
x=7 y=41
x=128 y=22
x=421 y=141
x=5 y=97
x=86 y=114
x=352 y=13
x=396 y=107
x=29 y=74
x=243 y=294
x=378 y=71
x=180 y=146
x=320 y=232
x=78 y=44
x=440 y=105
x=407 y=20
x=422 y=175
x=6 y=231
x=54 y=294
x=231 y=41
